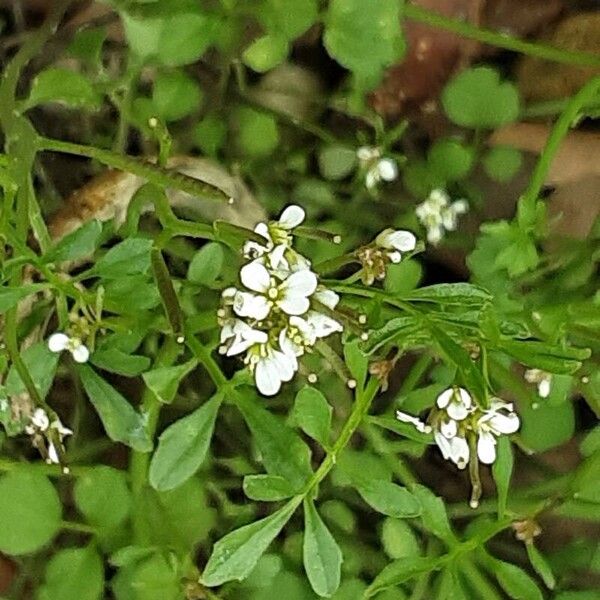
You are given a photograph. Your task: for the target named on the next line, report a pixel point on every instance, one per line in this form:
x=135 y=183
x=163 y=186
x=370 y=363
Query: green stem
x=501 y=40
x=205 y=358
x=478 y=581
x=167 y=292
x=160 y=176
x=78 y=527
x=585 y=95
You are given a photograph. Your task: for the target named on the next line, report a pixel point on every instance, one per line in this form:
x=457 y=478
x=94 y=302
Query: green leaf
x=131 y=294
x=130 y=257
x=175 y=95
x=388 y=498
x=546 y=426
x=312 y=413
x=164 y=382
x=175 y=38
x=403 y=277
x=400 y=571
x=477 y=98
x=87 y=44
x=102 y=496
x=30 y=512
x=433 y=513
x=121 y=422
x=450 y=159
x=451 y=293
x=405 y=429
x=207 y=264
x=548 y=357
x=502 y=471
x=258 y=134
x=322 y=555
x=336 y=161
x=357 y=361
x=502 y=163
x=590 y=444
x=210 y=134
x=283 y=451
x=265 y=53
x=74 y=574
x=403 y=331
x=80 y=243
x=398 y=539
x=115 y=361
x=182 y=447
x=41 y=364
x=235 y=555
x=289 y=18
x=10 y=297
x=267 y=488
x=56 y=84
x=515 y=582
x=541 y=566
x=364 y=36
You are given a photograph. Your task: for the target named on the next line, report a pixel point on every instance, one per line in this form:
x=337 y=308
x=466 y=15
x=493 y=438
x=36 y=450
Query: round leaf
x=265 y=53
x=502 y=163
x=176 y=95
x=30 y=512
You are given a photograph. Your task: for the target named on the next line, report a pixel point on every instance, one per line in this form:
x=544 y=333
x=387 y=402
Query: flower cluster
x=376 y=167
x=438 y=214
x=388 y=247
x=281 y=310
x=47 y=436
x=458 y=424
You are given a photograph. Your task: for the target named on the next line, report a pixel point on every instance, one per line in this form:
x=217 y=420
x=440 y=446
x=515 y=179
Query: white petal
x=395 y=257
x=323 y=325
x=506 y=424
x=288 y=347
x=327 y=297
x=294 y=305
x=40 y=419
x=444 y=398
x=443 y=443
x=465 y=397
x=449 y=220
x=435 y=234
x=291 y=217
x=419 y=425
x=402 y=240
x=457 y=410
x=299 y=284
x=58 y=342
x=459 y=453
x=460 y=207
x=263 y=230
x=372 y=178
x=388 y=169
x=255 y=277
x=286 y=365
x=449 y=428
x=544 y=388
x=486 y=447
x=439 y=197
x=227 y=331
x=277 y=259
x=367 y=153
x=266 y=376
x=251 y=305
x=80 y=353
x=52 y=455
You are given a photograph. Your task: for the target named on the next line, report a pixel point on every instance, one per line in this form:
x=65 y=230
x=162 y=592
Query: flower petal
x=449 y=428
x=251 y=305
x=506 y=424
x=418 y=424
x=299 y=284
x=266 y=376
x=486 y=447
x=294 y=305
x=322 y=324
x=444 y=398
x=58 y=342
x=80 y=353
x=387 y=169
x=327 y=297
x=459 y=453
x=255 y=277
x=291 y=217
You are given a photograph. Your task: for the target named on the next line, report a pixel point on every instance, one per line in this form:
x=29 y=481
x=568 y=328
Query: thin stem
x=78 y=527
x=160 y=176
x=205 y=358
x=478 y=580
x=585 y=95
x=501 y=40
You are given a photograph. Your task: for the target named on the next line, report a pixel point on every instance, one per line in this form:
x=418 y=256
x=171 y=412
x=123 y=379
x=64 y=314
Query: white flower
x=271 y=368
x=326 y=297
x=290 y=295
x=367 y=154
x=396 y=242
x=456 y=401
x=439 y=215
x=58 y=342
x=378 y=169
x=62 y=431
x=499 y=419
x=455 y=448
x=237 y=337
x=418 y=424
x=302 y=333
x=46 y=434
x=39 y=422
x=542 y=379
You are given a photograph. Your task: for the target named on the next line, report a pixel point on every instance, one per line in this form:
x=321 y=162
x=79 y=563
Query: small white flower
x=455 y=448
x=367 y=154
x=457 y=402
x=439 y=215
x=326 y=297
x=271 y=368
x=62 y=431
x=499 y=419
x=396 y=242
x=290 y=295
x=418 y=424
x=39 y=422
x=542 y=379
x=302 y=333
x=237 y=337
x=387 y=169
x=377 y=169
x=58 y=342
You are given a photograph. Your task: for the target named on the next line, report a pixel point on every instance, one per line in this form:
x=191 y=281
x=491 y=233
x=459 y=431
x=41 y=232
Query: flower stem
x=160 y=176
x=501 y=40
